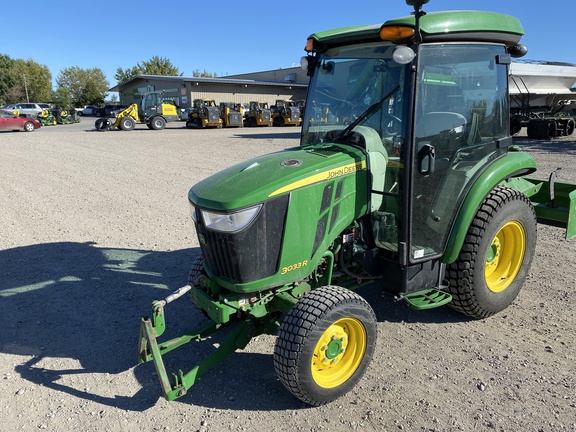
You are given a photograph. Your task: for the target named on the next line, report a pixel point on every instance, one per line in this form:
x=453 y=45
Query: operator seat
x=443 y=130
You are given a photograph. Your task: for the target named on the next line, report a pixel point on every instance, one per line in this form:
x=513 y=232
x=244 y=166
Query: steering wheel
x=392 y=124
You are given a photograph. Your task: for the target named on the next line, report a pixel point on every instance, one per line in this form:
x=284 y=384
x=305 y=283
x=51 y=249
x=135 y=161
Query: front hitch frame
x=150 y=350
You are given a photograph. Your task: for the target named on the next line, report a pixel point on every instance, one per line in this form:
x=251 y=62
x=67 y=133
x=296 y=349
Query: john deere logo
x=202 y=239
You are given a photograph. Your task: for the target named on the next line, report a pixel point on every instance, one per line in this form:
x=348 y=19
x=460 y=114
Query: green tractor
x=421 y=193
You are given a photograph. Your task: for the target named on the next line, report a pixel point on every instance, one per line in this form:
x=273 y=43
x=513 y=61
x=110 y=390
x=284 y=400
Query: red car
x=11 y=122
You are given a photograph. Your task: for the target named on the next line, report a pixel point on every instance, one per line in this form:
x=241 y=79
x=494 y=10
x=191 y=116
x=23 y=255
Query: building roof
x=118 y=87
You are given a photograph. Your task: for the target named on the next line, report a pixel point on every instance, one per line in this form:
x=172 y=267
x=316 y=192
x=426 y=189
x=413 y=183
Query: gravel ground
x=96 y=226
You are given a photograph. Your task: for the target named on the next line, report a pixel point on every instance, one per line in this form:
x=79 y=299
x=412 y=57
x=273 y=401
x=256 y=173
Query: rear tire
x=325 y=344
x=157 y=123
x=541 y=129
x=569 y=129
x=496 y=255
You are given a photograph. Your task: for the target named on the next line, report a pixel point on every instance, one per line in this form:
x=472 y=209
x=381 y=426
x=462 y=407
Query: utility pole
x=26 y=88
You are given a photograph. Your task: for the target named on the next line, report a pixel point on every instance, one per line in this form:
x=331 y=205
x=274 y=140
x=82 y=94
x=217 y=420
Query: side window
x=461 y=112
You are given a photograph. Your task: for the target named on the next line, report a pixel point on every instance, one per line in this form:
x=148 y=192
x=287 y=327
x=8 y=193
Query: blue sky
x=242 y=37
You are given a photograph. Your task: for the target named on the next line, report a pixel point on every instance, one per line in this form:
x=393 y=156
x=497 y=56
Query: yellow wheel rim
x=505 y=256
x=339 y=352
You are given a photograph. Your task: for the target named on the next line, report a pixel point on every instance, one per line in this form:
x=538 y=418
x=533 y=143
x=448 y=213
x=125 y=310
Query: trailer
x=541 y=98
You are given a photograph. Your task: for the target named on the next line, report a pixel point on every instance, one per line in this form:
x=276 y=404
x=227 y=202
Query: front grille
x=213 y=114
x=294 y=114
x=235 y=118
x=250 y=254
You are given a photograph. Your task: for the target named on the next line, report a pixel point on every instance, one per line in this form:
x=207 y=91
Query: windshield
x=355 y=86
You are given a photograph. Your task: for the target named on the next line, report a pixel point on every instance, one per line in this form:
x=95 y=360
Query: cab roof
x=447 y=26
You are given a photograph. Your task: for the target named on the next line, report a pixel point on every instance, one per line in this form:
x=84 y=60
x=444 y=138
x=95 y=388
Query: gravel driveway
x=96 y=225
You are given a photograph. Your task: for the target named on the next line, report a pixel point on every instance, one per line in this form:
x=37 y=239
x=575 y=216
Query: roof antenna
x=418 y=13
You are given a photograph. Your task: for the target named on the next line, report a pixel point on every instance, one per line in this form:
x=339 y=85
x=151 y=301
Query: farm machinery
x=258 y=114
x=231 y=114
x=285 y=113
x=541 y=98
x=420 y=193
x=204 y=114
x=152 y=110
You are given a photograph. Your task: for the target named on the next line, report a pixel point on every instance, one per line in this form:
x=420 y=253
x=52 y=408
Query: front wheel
x=127 y=123
x=29 y=127
x=496 y=255
x=102 y=124
x=325 y=344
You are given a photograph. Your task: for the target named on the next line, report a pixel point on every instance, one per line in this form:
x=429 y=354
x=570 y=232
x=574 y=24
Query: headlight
x=230 y=222
x=193 y=212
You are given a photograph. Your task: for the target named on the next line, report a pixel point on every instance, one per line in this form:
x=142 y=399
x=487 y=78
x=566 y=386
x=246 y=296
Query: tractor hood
x=274 y=174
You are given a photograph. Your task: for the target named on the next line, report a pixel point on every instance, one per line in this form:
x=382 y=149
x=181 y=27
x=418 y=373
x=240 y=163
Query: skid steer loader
x=422 y=193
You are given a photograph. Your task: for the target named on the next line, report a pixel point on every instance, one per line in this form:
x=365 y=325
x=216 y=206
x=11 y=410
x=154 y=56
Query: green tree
x=85 y=86
x=32 y=82
x=7 y=79
x=204 y=74
x=155 y=66
x=62 y=97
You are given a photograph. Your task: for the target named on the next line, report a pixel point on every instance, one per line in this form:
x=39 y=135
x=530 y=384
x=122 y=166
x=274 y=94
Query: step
x=428 y=299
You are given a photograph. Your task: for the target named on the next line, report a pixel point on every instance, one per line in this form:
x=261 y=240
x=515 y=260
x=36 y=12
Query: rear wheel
x=496 y=255
x=569 y=129
x=541 y=129
x=325 y=344
x=157 y=123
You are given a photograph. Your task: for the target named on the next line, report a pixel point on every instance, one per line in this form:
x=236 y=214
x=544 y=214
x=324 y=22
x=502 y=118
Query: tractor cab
x=430 y=117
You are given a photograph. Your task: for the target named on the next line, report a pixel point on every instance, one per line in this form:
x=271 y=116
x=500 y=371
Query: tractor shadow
x=76 y=301
x=554 y=146
x=268 y=136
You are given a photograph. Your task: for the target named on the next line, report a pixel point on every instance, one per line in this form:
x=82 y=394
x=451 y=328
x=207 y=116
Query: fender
x=514 y=164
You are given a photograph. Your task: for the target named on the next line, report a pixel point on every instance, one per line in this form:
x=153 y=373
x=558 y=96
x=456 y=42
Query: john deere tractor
x=421 y=193
x=152 y=110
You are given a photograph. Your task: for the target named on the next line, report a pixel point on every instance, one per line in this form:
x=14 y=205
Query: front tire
x=496 y=255
x=102 y=124
x=29 y=127
x=127 y=123
x=325 y=344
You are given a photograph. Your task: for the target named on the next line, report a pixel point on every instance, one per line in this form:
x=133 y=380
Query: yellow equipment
x=204 y=113
x=152 y=110
x=286 y=113
x=231 y=114
x=258 y=114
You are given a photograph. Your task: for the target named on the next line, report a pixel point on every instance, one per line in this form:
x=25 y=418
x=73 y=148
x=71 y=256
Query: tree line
x=27 y=80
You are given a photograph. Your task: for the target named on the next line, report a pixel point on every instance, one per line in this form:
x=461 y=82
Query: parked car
x=10 y=121
x=26 y=109
x=87 y=110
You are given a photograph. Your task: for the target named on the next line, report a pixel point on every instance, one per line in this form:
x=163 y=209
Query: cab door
x=461 y=120
x=151 y=104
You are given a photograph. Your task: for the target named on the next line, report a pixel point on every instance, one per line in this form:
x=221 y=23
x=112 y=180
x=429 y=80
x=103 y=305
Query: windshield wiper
x=344 y=135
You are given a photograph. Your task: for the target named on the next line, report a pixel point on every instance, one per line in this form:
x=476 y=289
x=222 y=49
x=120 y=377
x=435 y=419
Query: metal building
x=266 y=86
